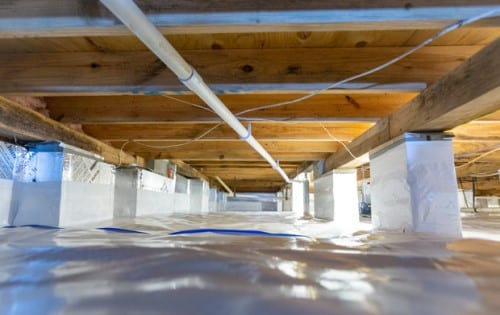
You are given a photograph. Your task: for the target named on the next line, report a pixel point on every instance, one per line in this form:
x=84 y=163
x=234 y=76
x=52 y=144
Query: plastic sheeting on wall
x=141 y=192
x=9 y=153
x=323 y=197
x=58 y=186
x=336 y=198
x=199 y=195
x=252 y=202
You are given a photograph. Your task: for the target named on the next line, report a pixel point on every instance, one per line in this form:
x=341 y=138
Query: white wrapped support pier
x=58 y=185
x=212 y=200
x=181 y=196
x=141 y=192
x=414 y=187
x=9 y=153
x=191 y=195
x=336 y=197
x=199 y=196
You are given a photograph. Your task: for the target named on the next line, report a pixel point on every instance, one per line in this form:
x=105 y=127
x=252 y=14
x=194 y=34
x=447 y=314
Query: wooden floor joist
x=271 y=131
x=71 y=18
x=188 y=171
x=148 y=109
x=92 y=71
x=141 y=72
x=470 y=91
x=234 y=146
x=22 y=123
x=228 y=155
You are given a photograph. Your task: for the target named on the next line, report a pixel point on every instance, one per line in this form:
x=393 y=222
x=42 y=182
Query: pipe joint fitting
x=192 y=77
x=249 y=134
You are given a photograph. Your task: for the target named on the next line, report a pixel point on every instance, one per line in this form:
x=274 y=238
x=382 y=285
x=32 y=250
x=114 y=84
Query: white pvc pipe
x=128 y=12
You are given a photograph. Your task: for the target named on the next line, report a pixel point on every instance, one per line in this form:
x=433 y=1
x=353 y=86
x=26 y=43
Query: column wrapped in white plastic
x=414 y=186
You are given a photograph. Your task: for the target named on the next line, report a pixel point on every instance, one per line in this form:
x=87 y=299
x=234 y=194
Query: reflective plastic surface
x=91 y=271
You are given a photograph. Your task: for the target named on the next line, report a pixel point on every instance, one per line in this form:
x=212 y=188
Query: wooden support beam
x=234 y=146
x=225 y=155
x=300 y=169
x=25 y=124
x=482 y=183
x=141 y=72
x=263 y=174
x=254 y=185
x=272 y=131
x=478 y=131
x=23 y=18
x=187 y=170
x=472 y=149
x=243 y=164
x=469 y=92
x=485 y=163
x=142 y=109
x=264 y=40
x=492 y=192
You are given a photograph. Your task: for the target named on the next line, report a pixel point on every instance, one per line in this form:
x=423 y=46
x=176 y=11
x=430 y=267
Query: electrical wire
x=211 y=111
x=202 y=135
x=441 y=33
x=189 y=103
x=121 y=152
x=478 y=158
x=444 y=31
x=463 y=192
x=485 y=175
x=339 y=141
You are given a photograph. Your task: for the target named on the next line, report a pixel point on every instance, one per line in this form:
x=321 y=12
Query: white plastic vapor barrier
x=9 y=153
x=6 y=186
x=89 y=271
x=465 y=198
x=221 y=200
x=336 y=198
x=140 y=192
x=198 y=196
x=287 y=198
x=279 y=201
x=414 y=188
x=345 y=198
x=181 y=196
x=298 y=197
x=181 y=184
x=252 y=206
x=57 y=186
x=323 y=197
x=162 y=167
x=212 y=200
x=252 y=202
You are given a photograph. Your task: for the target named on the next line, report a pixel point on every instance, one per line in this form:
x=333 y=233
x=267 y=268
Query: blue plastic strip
x=45 y=227
x=249 y=132
x=120 y=230
x=235 y=232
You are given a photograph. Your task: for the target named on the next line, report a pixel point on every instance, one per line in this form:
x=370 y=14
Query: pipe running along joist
x=132 y=16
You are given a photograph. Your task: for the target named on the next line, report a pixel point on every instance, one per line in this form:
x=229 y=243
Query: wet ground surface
x=91 y=271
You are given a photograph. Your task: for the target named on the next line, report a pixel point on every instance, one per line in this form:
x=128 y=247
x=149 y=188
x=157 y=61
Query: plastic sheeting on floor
x=92 y=271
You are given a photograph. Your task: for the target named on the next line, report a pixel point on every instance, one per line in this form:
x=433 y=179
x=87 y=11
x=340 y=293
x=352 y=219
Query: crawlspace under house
x=250 y=157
